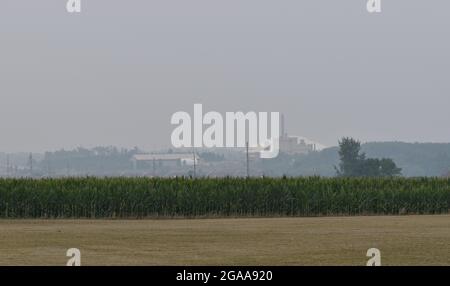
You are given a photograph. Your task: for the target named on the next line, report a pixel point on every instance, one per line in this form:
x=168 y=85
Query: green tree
x=388 y=168
x=349 y=154
x=354 y=164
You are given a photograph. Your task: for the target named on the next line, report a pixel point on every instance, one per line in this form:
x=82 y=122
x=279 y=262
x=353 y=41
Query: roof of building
x=172 y=156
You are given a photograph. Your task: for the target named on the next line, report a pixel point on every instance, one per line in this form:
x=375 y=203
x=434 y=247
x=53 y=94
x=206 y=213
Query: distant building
x=293 y=144
x=166 y=160
x=290 y=145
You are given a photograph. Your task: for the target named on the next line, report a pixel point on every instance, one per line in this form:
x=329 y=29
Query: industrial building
x=143 y=161
x=293 y=144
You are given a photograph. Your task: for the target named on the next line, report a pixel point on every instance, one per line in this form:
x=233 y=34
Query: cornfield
x=225 y=197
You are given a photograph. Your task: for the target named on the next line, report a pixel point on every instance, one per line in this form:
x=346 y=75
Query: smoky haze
x=115 y=74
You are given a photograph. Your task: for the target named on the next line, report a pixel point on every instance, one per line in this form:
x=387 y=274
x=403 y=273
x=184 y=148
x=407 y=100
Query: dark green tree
x=349 y=154
x=354 y=163
x=388 y=168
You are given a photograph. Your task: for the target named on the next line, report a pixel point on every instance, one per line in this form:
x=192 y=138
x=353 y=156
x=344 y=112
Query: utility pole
x=49 y=172
x=68 y=168
x=30 y=162
x=195 y=166
x=248 y=163
x=8 y=168
x=154 y=168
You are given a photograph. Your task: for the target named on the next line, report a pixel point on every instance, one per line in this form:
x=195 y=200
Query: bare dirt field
x=403 y=240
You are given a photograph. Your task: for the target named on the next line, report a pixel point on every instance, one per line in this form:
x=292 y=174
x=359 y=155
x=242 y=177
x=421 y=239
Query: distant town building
x=166 y=160
x=290 y=145
x=293 y=144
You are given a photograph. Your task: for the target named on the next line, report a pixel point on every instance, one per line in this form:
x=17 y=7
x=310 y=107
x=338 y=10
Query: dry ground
x=403 y=240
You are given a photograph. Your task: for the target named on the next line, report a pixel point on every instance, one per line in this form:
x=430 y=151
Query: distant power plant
x=294 y=144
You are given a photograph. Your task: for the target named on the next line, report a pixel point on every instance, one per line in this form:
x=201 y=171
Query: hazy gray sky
x=115 y=74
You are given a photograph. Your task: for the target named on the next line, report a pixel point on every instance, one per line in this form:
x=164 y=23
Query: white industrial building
x=167 y=160
x=295 y=144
